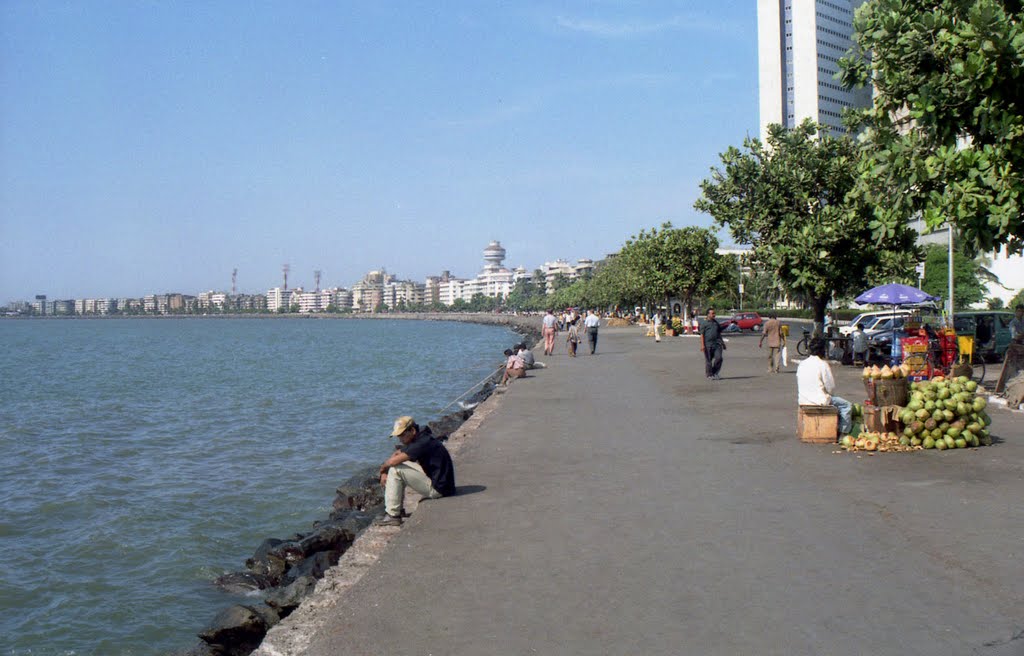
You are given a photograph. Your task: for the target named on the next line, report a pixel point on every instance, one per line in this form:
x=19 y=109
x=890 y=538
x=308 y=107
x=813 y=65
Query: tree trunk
x=819 y=303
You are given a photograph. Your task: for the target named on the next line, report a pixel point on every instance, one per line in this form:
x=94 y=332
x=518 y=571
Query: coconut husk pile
x=881 y=442
x=617 y=323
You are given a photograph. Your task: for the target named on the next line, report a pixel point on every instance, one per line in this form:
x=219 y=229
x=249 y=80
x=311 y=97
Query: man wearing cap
x=421 y=463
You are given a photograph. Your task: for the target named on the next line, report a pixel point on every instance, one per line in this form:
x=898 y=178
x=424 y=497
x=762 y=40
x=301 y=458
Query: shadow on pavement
x=463 y=490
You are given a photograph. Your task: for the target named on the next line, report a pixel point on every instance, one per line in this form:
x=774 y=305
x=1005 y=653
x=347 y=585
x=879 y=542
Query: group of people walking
x=572 y=323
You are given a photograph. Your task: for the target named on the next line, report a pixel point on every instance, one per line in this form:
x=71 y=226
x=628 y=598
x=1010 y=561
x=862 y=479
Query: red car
x=742 y=321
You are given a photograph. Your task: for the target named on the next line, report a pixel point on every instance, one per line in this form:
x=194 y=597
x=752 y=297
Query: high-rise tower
x=799 y=45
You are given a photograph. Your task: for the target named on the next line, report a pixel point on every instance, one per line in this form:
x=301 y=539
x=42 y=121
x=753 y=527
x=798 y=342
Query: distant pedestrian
x=657 y=326
x=712 y=345
x=773 y=333
x=860 y=345
x=573 y=338
x=591 y=324
x=550 y=328
x=421 y=463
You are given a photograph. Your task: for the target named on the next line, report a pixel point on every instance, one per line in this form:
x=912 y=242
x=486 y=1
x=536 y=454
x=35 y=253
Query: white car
x=871 y=320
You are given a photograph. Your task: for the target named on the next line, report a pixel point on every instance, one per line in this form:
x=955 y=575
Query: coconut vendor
x=420 y=463
x=815 y=384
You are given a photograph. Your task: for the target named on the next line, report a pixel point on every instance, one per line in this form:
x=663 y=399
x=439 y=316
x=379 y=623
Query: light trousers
x=407 y=474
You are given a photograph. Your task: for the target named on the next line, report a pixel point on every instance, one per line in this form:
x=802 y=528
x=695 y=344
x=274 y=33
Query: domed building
x=494 y=280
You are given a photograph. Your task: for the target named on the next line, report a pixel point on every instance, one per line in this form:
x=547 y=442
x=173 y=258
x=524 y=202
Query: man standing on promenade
x=1017 y=323
x=591 y=324
x=421 y=463
x=712 y=345
x=773 y=333
x=814 y=385
x=550 y=326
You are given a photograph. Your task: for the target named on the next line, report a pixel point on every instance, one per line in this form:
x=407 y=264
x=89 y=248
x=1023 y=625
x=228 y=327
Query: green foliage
x=967 y=286
x=790 y=201
x=945 y=137
x=995 y=303
x=1016 y=300
x=672 y=262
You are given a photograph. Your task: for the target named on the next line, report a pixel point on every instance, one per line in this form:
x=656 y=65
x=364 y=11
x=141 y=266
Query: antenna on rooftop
x=285 y=269
x=316 y=277
x=234 y=279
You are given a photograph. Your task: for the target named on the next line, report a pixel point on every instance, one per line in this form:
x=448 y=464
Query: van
x=990 y=329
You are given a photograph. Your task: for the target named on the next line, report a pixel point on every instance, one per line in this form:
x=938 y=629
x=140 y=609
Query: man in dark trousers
x=421 y=463
x=712 y=345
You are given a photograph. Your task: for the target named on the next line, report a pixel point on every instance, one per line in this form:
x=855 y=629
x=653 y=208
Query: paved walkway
x=623 y=504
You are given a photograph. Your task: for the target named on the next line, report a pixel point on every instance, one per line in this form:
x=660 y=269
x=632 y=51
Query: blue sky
x=150 y=147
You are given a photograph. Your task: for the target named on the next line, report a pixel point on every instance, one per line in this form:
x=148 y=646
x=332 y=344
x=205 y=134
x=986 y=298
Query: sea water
x=142 y=458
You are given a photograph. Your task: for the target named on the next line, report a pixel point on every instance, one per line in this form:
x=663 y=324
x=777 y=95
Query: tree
x=945 y=134
x=1016 y=300
x=968 y=288
x=790 y=201
x=672 y=261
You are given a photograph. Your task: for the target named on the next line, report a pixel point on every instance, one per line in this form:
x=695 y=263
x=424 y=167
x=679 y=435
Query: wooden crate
x=818 y=424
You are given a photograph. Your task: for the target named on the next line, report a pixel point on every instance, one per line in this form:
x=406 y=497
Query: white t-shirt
x=814 y=382
x=592 y=321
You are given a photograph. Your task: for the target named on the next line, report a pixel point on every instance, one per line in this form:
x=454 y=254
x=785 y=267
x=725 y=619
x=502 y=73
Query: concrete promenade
x=623 y=504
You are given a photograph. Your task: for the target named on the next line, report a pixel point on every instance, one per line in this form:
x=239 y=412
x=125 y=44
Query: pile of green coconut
x=945 y=413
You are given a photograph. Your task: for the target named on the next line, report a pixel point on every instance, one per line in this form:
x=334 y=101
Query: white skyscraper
x=799 y=45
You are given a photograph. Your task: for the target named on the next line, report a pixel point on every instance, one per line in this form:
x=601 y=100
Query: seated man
x=815 y=384
x=527 y=356
x=421 y=463
x=514 y=367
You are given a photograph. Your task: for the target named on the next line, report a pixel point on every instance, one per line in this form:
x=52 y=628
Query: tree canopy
x=670 y=262
x=790 y=201
x=945 y=135
x=968 y=287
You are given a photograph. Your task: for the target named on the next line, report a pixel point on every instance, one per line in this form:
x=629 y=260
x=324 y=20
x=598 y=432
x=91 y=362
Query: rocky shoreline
x=308 y=570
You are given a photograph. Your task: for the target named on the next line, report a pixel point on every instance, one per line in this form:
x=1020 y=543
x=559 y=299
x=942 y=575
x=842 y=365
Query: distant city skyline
x=159 y=146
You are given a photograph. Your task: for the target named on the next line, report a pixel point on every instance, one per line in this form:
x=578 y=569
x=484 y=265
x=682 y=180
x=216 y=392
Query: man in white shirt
x=814 y=384
x=591 y=323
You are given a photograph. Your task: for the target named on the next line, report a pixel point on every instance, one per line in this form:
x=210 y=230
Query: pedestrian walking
x=591 y=323
x=657 y=326
x=573 y=339
x=773 y=333
x=712 y=345
x=550 y=328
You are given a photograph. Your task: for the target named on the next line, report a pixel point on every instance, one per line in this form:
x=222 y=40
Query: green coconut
x=928 y=443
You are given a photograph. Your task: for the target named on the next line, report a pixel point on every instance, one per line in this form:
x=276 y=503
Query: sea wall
x=292 y=579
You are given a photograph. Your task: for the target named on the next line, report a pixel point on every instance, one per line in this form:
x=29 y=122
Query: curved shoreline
x=345 y=545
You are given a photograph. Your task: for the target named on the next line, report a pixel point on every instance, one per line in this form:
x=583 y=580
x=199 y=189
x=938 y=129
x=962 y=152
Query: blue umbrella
x=895 y=294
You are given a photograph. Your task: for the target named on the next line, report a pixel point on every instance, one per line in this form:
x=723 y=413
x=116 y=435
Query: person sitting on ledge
x=814 y=384
x=527 y=356
x=514 y=367
x=421 y=463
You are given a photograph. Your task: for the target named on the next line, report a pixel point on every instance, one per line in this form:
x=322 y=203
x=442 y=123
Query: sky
x=152 y=147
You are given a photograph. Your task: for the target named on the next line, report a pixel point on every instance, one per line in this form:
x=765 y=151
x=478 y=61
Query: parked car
x=741 y=321
x=870 y=319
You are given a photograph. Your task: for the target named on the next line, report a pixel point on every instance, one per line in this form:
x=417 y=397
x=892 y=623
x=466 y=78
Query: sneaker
x=389 y=520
